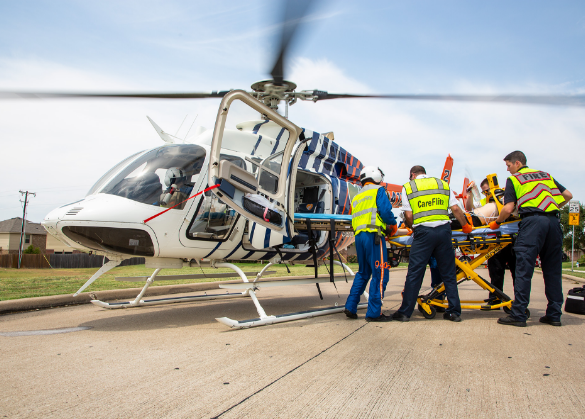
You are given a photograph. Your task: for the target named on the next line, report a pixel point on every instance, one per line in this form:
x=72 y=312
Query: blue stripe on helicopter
x=277 y=141
x=252 y=232
x=267 y=238
x=235 y=250
x=257 y=127
x=306 y=154
x=214 y=249
x=248 y=255
x=257 y=144
x=319 y=157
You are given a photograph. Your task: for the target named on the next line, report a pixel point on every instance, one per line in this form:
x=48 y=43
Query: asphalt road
x=177 y=361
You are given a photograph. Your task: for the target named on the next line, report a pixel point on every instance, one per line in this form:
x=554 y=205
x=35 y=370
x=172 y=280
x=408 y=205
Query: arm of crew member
x=567 y=195
x=385 y=207
x=507 y=209
x=458 y=213
x=408 y=219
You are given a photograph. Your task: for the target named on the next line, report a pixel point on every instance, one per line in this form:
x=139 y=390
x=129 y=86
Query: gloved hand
x=392 y=230
x=467 y=228
x=494 y=226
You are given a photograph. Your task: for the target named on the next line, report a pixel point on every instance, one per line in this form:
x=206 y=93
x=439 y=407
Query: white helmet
x=371 y=173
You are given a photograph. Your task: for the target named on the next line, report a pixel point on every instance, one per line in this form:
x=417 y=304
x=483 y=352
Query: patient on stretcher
x=479 y=216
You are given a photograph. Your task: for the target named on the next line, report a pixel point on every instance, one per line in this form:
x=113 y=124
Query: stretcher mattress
x=323 y=217
x=508 y=228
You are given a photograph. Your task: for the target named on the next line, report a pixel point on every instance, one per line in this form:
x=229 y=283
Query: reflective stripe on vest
x=428 y=199
x=536 y=189
x=364 y=211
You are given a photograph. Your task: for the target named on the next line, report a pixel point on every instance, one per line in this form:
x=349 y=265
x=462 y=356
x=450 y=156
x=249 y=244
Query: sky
x=60 y=148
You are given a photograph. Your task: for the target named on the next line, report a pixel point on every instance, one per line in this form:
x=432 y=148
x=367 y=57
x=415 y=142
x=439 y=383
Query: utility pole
x=22 y=228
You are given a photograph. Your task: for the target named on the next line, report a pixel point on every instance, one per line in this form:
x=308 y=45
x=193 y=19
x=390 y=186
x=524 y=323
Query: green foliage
x=31 y=250
x=568 y=230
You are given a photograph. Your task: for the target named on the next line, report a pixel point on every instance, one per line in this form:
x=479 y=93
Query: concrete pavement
x=177 y=361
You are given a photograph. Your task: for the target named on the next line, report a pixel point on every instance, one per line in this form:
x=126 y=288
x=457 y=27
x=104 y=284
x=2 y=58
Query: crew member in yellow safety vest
x=371 y=218
x=426 y=202
x=538 y=197
x=504 y=258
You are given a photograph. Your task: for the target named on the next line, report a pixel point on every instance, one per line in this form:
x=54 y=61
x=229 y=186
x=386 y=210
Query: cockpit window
x=98 y=185
x=163 y=177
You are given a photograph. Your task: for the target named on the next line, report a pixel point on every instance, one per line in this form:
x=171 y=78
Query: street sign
x=574 y=213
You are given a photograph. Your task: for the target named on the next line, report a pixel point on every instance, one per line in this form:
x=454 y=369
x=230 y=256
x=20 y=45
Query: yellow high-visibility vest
x=364 y=211
x=429 y=199
x=536 y=189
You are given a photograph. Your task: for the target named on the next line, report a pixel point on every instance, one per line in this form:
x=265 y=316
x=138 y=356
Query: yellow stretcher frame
x=486 y=248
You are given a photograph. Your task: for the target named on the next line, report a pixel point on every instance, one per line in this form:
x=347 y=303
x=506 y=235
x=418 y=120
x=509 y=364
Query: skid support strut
x=137 y=302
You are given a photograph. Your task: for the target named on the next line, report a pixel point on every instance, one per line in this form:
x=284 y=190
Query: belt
x=540 y=214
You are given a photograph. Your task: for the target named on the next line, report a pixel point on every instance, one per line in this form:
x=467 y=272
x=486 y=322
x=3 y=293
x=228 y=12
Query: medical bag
x=575 y=302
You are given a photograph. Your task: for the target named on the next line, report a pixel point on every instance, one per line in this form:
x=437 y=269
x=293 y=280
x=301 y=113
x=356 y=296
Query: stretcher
x=483 y=243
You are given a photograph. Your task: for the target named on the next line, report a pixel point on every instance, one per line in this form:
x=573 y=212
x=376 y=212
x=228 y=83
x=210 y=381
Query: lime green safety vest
x=536 y=189
x=483 y=202
x=364 y=211
x=429 y=199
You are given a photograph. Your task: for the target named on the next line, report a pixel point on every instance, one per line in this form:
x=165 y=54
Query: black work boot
x=381 y=318
x=350 y=314
x=548 y=320
x=511 y=321
x=400 y=317
x=452 y=316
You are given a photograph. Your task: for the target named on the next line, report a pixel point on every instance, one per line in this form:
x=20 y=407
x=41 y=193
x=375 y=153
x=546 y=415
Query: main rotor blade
x=72 y=95
x=294 y=12
x=562 y=100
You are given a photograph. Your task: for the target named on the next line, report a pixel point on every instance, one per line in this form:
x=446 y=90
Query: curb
x=37 y=303
x=567 y=276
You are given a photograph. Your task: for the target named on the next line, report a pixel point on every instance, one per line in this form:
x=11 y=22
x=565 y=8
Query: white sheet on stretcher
x=508 y=228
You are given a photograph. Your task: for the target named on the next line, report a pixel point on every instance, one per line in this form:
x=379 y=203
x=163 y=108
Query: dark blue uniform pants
x=427 y=242
x=497 y=267
x=373 y=261
x=539 y=235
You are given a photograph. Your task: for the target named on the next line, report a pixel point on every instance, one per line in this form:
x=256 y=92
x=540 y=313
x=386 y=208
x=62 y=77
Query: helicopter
x=234 y=192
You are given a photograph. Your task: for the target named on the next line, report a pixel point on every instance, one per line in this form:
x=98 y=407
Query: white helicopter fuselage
x=109 y=221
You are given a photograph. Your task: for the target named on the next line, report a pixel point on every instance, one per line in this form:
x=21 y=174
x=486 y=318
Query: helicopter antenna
x=177 y=133
x=190 y=127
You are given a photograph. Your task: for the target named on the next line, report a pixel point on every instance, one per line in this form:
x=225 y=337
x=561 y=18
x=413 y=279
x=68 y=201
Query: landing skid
x=249 y=290
x=280 y=318
x=161 y=301
x=265 y=319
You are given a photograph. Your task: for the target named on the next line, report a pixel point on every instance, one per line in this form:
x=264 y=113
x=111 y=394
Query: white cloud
x=397 y=135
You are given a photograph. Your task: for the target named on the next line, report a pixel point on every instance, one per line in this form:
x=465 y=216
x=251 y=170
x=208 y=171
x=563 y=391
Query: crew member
x=504 y=258
x=426 y=210
x=538 y=197
x=371 y=218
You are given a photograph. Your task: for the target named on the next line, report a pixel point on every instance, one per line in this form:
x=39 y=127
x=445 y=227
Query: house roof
x=14 y=225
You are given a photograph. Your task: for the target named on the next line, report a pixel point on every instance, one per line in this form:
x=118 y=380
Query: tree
x=568 y=230
x=31 y=250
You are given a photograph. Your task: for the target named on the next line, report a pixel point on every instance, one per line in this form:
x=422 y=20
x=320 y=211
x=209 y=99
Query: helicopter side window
x=163 y=177
x=214 y=219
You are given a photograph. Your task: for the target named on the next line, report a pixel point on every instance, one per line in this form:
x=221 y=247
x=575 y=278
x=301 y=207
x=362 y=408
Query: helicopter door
x=258 y=191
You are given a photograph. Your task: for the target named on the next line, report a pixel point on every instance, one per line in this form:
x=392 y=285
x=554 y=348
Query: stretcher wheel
x=427 y=315
x=507 y=310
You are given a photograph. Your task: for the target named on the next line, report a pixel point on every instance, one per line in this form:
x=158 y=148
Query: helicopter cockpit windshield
x=163 y=177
